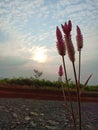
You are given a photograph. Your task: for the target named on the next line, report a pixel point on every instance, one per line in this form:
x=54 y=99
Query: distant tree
x=37 y=73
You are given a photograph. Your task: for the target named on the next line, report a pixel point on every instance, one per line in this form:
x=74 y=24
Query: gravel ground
x=31 y=114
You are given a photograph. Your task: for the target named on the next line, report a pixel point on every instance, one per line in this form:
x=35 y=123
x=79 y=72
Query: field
x=42 y=89
x=38 y=104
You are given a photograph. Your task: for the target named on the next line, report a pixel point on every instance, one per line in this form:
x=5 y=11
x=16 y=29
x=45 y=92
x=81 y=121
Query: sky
x=28 y=38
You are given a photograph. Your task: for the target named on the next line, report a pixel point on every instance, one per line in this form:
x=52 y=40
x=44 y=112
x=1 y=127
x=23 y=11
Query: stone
x=15 y=115
x=51 y=127
x=34 y=113
x=27 y=118
x=27 y=109
x=41 y=114
x=32 y=123
x=52 y=122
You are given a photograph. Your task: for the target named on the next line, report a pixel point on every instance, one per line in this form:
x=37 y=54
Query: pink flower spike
x=60 y=70
x=70 y=48
x=69 y=26
x=58 y=34
x=65 y=28
x=61 y=47
x=79 y=39
x=65 y=25
x=78 y=31
x=60 y=43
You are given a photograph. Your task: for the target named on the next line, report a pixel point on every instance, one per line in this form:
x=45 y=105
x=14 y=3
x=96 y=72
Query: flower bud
x=70 y=48
x=60 y=72
x=79 y=39
x=60 y=43
x=67 y=28
x=58 y=34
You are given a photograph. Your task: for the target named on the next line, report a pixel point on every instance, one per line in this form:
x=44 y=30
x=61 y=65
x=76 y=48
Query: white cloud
x=29 y=24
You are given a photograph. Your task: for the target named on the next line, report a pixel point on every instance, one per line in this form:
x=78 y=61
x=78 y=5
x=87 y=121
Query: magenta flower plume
x=58 y=33
x=67 y=28
x=70 y=48
x=79 y=39
x=60 y=70
x=60 y=43
x=64 y=28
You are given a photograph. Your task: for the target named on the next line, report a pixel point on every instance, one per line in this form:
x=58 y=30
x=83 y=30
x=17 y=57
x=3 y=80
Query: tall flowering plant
x=64 y=43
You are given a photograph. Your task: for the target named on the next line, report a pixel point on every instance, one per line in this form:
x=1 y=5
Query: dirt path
x=6 y=92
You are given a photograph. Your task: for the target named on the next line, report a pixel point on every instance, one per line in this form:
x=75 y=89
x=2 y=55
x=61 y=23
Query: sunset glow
x=39 y=55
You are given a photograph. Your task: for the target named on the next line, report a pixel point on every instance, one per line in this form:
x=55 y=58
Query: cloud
x=84 y=13
x=28 y=24
x=3 y=36
x=18 y=13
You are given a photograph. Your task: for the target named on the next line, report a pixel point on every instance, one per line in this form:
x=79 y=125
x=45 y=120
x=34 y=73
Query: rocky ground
x=31 y=114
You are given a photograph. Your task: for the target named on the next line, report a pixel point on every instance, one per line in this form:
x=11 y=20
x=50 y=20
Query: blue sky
x=28 y=41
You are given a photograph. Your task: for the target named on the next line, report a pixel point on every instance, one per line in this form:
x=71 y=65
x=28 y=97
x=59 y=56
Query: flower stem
x=69 y=96
x=78 y=95
x=65 y=99
x=79 y=67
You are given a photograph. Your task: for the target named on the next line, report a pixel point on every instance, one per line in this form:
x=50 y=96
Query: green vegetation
x=92 y=88
x=33 y=82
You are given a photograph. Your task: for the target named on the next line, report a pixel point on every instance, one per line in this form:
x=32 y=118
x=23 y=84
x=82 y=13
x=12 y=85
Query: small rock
x=33 y=124
x=42 y=114
x=34 y=113
x=27 y=118
x=24 y=105
x=51 y=127
x=41 y=120
x=52 y=122
x=15 y=115
x=27 y=109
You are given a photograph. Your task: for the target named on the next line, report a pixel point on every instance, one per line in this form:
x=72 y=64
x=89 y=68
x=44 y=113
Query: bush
x=43 y=83
x=92 y=88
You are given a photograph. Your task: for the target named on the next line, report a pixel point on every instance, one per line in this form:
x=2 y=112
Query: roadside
x=45 y=94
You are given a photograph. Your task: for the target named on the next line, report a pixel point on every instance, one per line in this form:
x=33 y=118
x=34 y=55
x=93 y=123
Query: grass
x=43 y=84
